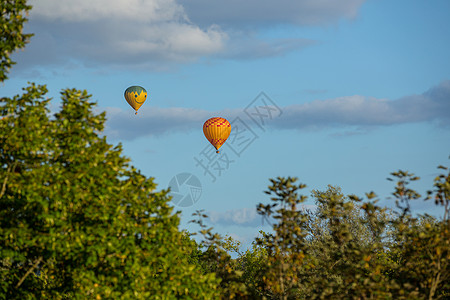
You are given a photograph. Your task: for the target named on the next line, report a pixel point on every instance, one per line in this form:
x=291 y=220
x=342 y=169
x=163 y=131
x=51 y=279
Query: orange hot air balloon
x=216 y=131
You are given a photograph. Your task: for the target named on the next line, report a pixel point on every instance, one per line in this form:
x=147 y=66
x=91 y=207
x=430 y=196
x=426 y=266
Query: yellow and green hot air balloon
x=135 y=96
x=216 y=131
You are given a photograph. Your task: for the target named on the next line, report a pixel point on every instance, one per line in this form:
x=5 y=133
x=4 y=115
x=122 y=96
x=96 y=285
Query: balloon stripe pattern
x=217 y=130
x=135 y=96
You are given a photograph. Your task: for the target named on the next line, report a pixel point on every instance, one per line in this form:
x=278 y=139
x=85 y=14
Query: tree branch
x=12 y=167
x=29 y=271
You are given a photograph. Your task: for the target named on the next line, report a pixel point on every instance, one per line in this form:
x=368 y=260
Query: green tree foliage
x=214 y=258
x=422 y=245
x=340 y=238
x=252 y=264
x=286 y=246
x=12 y=20
x=350 y=248
x=77 y=220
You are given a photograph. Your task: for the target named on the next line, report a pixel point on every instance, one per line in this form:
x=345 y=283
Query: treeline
x=348 y=248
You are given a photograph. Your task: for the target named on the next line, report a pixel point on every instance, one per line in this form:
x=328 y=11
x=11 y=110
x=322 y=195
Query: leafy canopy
x=11 y=26
x=76 y=218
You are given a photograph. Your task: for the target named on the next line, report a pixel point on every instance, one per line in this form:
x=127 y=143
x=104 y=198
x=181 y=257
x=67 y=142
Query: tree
x=11 y=23
x=422 y=244
x=350 y=248
x=286 y=247
x=77 y=219
x=346 y=243
x=213 y=257
x=252 y=263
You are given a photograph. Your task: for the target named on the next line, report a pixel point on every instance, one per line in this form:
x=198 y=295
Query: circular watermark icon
x=185 y=189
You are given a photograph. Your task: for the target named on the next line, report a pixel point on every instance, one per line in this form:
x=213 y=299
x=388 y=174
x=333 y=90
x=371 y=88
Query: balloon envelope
x=216 y=131
x=135 y=96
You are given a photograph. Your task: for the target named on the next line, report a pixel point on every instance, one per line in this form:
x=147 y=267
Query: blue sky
x=356 y=89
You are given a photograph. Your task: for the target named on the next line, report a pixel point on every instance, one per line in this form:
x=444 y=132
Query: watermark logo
x=185 y=189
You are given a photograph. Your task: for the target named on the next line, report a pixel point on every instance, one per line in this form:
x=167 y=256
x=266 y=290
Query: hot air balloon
x=135 y=96
x=216 y=131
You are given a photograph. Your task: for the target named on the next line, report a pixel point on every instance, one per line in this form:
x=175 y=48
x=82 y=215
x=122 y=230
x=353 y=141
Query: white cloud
x=156 y=34
x=149 y=11
x=344 y=112
x=433 y=105
x=170 y=41
x=209 y=12
x=116 y=32
x=243 y=217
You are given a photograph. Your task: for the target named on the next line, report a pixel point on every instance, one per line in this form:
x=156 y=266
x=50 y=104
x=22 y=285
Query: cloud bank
x=241 y=217
x=156 y=34
x=118 y=32
x=431 y=106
